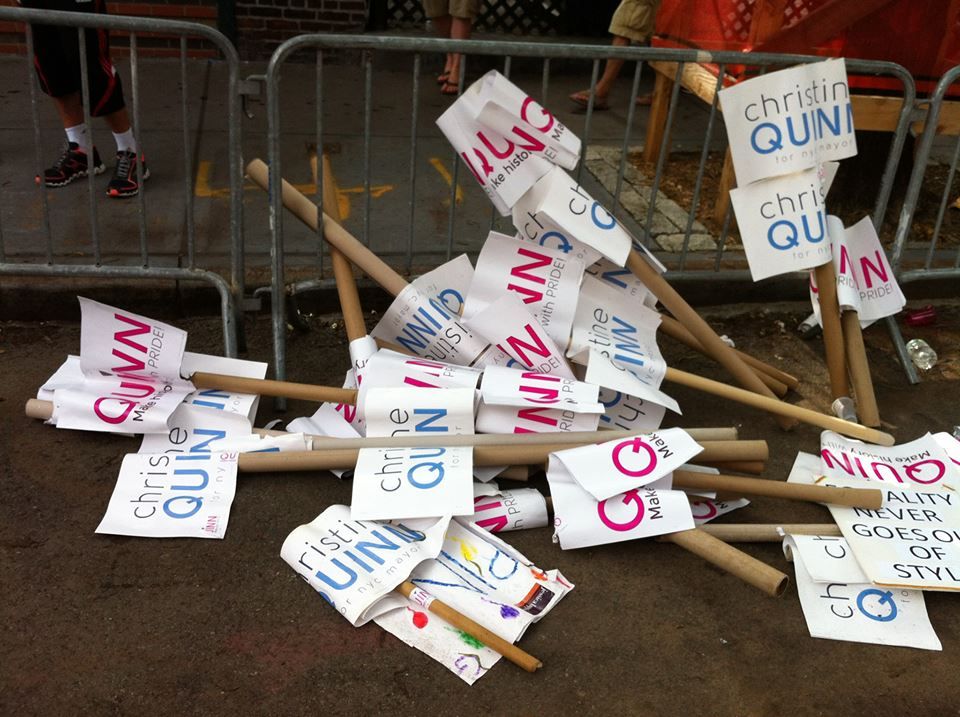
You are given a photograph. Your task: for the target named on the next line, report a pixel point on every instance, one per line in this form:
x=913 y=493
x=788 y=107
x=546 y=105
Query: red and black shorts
x=56 y=56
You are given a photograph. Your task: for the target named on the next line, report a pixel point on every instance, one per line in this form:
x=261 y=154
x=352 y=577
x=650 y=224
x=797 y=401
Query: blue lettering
x=435 y=415
x=191 y=500
x=351 y=577
x=776 y=138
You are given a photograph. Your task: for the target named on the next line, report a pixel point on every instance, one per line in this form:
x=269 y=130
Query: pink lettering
x=631 y=496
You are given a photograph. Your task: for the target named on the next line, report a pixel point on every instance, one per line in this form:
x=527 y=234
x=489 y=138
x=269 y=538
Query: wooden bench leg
x=657 y=123
x=728 y=180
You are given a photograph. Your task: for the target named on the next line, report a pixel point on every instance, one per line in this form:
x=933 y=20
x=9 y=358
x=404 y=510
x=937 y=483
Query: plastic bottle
x=809 y=327
x=924 y=357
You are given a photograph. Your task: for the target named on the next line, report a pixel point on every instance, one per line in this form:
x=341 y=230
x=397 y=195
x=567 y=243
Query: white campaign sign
x=424 y=326
x=389 y=369
x=783 y=223
x=513 y=387
x=397 y=483
x=326 y=421
x=620 y=329
x=602 y=371
x=401 y=411
x=533 y=419
x=558 y=203
x=546 y=280
x=580 y=520
x=623 y=281
x=131 y=373
x=193 y=430
x=448 y=283
x=806 y=469
x=508 y=325
x=186 y=495
x=505 y=166
x=951 y=447
x=520 y=509
x=789 y=120
x=848 y=295
x=361 y=351
x=629 y=413
x=506 y=108
x=608 y=469
x=921 y=463
x=483 y=578
x=356 y=564
x=244 y=404
x=706 y=509
x=840 y=604
x=913 y=541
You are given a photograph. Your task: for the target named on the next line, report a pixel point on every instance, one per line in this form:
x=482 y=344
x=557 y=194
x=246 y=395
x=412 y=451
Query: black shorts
x=56 y=57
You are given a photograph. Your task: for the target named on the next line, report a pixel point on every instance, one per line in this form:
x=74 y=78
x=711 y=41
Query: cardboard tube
x=814 y=418
x=673 y=328
x=766 y=532
x=860 y=370
x=747 y=568
x=832 y=332
x=753 y=467
x=474 y=629
x=520 y=473
x=870 y=498
x=694 y=323
x=502 y=450
x=353 y=321
x=264 y=387
x=337 y=236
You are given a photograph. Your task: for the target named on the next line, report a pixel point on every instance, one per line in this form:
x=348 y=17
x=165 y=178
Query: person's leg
x=611 y=69
x=459 y=30
x=442 y=26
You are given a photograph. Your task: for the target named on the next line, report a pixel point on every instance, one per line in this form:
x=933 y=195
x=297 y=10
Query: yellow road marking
x=438 y=165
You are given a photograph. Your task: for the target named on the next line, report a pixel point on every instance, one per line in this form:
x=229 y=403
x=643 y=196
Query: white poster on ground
x=408 y=411
x=623 y=281
x=356 y=564
x=399 y=483
x=547 y=281
x=606 y=373
x=580 y=520
x=483 y=578
x=448 y=283
x=789 y=120
x=839 y=603
x=629 y=413
x=193 y=429
x=514 y=387
x=561 y=204
x=913 y=541
x=423 y=325
x=244 y=404
x=183 y=495
x=508 y=325
x=921 y=463
x=706 y=509
x=519 y=509
x=532 y=419
x=607 y=469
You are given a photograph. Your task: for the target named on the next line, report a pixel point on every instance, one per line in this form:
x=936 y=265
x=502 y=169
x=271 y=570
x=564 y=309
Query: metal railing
x=679 y=263
x=91 y=260
x=935 y=263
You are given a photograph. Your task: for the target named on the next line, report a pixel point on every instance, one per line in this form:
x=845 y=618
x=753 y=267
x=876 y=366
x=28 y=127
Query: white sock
x=125 y=141
x=79 y=134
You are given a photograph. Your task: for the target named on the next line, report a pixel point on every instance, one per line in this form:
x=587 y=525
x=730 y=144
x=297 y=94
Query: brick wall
x=150 y=44
x=264 y=24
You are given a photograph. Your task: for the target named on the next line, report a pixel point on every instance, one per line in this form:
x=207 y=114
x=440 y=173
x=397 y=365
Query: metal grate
x=512 y=17
x=737 y=20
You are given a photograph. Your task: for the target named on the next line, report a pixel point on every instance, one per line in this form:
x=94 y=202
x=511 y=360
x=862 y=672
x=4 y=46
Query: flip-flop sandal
x=644 y=100
x=450 y=88
x=582 y=99
x=442 y=79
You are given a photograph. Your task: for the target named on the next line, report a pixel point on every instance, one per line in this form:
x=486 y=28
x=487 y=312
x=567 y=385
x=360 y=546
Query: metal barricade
x=933 y=262
x=91 y=260
x=370 y=47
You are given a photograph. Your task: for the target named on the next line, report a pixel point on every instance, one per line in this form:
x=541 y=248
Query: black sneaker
x=125 y=182
x=71 y=165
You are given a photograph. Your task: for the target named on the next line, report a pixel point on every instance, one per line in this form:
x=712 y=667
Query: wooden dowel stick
x=870 y=498
x=265 y=387
x=748 y=398
x=707 y=337
x=752 y=571
x=353 y=321
x=460 y=621
x=753 y=467
x=521 y=473
x=673 y=328
x=766 y=532
x=306 y=211
x=859 y=367
x=832 y=332
x=485 y=452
